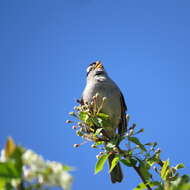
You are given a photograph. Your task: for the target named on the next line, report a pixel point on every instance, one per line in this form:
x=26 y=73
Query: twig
x=142 y=178
x=137 y=170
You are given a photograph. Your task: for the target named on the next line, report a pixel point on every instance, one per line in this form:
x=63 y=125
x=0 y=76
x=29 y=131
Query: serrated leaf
x=137 y=142
x=114 y=163
x=100 y=163
x=165 y=169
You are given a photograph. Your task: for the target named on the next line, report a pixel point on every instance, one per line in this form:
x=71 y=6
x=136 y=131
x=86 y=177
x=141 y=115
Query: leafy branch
x=144 y=158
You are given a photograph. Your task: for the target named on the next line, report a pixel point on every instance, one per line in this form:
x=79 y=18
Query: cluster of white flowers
x=45 y=172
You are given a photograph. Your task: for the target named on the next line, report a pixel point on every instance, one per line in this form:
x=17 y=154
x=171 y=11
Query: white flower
x=45 y=172
x=2 y=157
x=55 y=166
x=33 y=160
x=65 y=180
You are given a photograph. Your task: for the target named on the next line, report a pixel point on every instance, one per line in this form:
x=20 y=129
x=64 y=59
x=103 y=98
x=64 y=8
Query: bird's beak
x=99 y=65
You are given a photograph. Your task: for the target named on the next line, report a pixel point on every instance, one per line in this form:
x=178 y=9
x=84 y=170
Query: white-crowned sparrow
x=99 y=82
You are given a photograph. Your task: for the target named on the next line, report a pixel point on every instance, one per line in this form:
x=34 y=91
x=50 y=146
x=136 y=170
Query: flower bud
x=97 y=95
x=104 y=99
x=79 y=123
x=77 y=108
x=68 y=121
x=93 y=146
x=72 y=113
x=79 y=133
x=99 y=155
x=158 y=151
x=76 y=145
x=74 y=127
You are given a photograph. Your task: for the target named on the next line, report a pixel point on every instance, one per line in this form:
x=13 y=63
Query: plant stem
x=142 y=178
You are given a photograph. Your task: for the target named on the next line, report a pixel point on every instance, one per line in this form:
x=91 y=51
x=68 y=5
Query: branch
x=142 y=178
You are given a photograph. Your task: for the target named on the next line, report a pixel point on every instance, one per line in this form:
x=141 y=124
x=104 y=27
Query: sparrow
x=98 y=82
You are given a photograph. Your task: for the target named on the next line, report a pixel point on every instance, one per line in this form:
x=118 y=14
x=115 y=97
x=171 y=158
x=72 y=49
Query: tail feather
x=116 y=174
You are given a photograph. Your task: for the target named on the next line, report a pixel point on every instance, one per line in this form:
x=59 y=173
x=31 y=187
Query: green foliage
x=114 y=162
x=22 y=169
x=100 y=163
x=165 y=170
x=143 y=157
x=137 y=142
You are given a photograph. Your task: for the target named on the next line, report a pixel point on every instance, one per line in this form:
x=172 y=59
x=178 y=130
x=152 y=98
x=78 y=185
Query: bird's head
x=96 y=71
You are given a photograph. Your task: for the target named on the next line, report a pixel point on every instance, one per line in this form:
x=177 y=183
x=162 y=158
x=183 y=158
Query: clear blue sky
x=45 y=47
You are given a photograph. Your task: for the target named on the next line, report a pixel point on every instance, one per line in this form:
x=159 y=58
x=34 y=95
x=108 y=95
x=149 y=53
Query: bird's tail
x=116 y=174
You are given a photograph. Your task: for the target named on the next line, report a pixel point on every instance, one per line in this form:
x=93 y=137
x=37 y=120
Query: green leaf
x=67 y=168
x=8 y=170
x=103 y=115
x=97 y=121
x=98 y=131
x=139 y=131
x=13 y=167
x=8 y=186
x=165 y=169
x=103 y=119
x=114 y=163
x=16 y=156
x=100 y=163
x=127 y=162
x=154 y=183
x=137 y=142
x=152 y=160
x=3 y=181
x=83 y=116
x=179 y=166
x=142 y=186
x=99 y=143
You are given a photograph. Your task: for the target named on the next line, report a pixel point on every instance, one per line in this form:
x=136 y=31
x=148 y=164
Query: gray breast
x=112 y=105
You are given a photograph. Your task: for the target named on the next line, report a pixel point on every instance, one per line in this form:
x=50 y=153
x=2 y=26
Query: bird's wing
x=123 y=123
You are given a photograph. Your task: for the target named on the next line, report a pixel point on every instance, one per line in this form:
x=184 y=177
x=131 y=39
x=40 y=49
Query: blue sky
x=45 y=47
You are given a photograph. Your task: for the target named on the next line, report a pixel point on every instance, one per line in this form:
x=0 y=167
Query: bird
x=98 y=81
